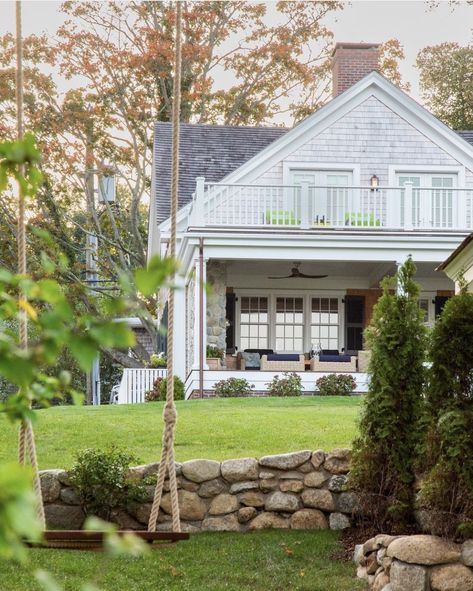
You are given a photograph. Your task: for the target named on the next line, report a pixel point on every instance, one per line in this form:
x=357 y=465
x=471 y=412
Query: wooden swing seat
x=94 y=540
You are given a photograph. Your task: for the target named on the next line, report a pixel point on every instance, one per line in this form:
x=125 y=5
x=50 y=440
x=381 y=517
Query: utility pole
x=93 y=377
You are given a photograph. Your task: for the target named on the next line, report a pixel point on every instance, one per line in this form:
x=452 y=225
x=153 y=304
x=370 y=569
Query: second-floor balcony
x=309 y=207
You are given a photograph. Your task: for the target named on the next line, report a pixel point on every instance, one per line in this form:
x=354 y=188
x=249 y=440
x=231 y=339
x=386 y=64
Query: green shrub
x=447 y=449
x=383 y=467
x=233 y=388
x=159 y=390
x=157 y=360
x=289 y=385
x=101 y=478
x=214 y=352
x=336 y=385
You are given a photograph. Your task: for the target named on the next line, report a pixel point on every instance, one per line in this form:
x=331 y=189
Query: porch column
x=180 y=328
x=200 y=300
x=398 y=266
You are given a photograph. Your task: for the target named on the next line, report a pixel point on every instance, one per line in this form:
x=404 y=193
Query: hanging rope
x=26 y=441
x=167 y=463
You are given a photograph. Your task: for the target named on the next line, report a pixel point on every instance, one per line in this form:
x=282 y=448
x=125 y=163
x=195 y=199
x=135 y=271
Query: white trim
x=355 y=169
x=395 y=169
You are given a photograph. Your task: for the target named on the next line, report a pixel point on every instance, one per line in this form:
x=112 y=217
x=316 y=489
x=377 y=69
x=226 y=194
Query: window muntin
x=254 y=323
x=324 y=323
x=290 y=324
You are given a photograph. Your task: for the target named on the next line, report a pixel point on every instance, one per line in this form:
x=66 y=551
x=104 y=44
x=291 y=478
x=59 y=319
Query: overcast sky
x=361 y=20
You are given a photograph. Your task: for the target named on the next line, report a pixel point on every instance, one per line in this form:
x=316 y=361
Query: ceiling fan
x=296 y=273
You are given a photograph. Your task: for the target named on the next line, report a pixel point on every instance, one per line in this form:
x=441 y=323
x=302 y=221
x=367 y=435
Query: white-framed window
x=290 y=324
x=289 y=321
x=325 y=322
x=254 y=322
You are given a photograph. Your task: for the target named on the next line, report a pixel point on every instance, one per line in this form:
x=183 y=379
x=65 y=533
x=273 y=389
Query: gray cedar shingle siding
x=212 y=151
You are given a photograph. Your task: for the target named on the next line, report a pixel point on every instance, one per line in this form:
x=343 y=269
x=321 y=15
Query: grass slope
x=260 y=561
x=213 y=429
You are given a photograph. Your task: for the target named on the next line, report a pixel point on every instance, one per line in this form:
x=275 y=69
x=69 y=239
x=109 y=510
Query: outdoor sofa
x=331 y=360
x=282 y=362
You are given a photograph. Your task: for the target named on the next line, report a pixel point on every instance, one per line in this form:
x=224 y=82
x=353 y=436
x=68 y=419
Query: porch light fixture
x=374 y=182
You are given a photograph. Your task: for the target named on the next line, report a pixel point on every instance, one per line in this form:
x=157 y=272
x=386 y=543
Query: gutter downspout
x=201 y=317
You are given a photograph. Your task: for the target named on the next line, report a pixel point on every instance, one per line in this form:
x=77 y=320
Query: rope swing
x=87 y=540
x=167 y=464
x=26 y=440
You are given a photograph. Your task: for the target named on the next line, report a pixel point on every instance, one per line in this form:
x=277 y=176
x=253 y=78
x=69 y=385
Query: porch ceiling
x=347 y=269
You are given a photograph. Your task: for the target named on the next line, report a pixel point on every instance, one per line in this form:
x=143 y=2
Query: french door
x=330 y=197
x=432 y=199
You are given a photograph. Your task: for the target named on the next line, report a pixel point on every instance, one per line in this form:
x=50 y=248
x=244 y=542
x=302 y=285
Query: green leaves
x=149 y=280
x=113 y=334
x=17 y=511
x=117 y=545
x=83 y=349
x=19 y=159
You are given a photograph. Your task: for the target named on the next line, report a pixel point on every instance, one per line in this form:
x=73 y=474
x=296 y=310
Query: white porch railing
x=348 y=207
x=136 y=382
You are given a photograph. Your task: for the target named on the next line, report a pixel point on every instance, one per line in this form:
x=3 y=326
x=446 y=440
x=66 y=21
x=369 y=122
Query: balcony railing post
x=305 y=221
x=197 y=217
x=460 y=209
x=408 y=203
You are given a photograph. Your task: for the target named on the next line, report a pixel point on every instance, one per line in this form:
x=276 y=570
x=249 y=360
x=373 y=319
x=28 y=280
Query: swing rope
x=26 y=440
x=167 y=463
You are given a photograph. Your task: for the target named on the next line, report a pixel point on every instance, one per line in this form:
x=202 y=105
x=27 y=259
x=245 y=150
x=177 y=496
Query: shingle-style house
x=294 y=228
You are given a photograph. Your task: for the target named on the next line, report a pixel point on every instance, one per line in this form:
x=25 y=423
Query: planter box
x=214 y=363
x=231 y=362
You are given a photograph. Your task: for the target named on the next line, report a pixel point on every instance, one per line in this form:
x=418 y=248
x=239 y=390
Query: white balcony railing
x=318 y=207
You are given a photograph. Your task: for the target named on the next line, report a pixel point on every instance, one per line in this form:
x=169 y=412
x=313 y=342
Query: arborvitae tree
x=384 y=452
x=447 y=449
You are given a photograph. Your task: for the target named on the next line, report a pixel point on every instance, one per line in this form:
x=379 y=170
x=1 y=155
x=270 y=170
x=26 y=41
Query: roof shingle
x=212 y=151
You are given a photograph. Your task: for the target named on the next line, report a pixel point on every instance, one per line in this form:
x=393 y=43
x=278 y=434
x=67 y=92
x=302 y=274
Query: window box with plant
x=214 y=357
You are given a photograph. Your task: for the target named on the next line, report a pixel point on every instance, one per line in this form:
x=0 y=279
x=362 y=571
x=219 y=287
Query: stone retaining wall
x=415 y=563
x=300 y=490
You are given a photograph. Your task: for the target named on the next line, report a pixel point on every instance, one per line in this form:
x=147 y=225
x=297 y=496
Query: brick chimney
x=351 y=62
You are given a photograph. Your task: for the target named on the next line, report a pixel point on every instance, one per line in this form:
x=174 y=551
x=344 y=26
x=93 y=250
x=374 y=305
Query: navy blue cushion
x=283 y=357
x=329 y=352
x=337 y=358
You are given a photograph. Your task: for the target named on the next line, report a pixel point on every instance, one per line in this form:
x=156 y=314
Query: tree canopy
x=446 y=83
x=94 y=91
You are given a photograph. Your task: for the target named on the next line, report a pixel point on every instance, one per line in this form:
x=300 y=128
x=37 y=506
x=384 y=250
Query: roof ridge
x=224 y=126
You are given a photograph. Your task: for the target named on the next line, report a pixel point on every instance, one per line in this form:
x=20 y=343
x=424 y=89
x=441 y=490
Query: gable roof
x=241 y=154
x=212 y=151
x=374 y=84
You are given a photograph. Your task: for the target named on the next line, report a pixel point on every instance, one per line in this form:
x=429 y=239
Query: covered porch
x=294 y=308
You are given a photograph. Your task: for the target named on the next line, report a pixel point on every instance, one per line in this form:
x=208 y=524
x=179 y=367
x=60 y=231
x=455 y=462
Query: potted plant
x=214 y=357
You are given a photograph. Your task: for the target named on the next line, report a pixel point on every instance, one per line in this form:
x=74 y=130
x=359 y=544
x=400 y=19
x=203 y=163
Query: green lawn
x=213 y=429
x=259 y=561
